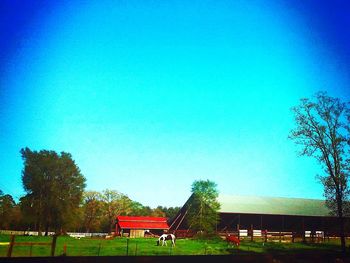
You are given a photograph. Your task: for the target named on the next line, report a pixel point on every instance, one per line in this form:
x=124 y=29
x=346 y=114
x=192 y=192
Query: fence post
x=53 y=245
x=252 y=233
x=12 y=242
x=127 y=247
x=65 y=249
x=293 y=234
x=31 y=249
x=238 y=230
x=99 y=249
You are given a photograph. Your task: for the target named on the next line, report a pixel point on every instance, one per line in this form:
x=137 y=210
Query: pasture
x=147 y=247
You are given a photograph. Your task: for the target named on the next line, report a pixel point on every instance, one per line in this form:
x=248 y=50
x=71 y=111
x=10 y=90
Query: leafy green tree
x=92 y=210
x=137 y=209
x=115 y=203
x=157 y=212
x=125 y=205
x=7 y=205
x=16 y=222
x=171 y=212
x=30 y=215
x=168 y=212
x=203 y=208
x=54 y=186
x=322 y=130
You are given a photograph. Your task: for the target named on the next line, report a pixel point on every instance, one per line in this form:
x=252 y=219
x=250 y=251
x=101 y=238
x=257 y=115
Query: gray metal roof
x=272 y=205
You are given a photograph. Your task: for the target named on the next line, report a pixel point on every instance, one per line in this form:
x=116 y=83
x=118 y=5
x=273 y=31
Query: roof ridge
x=270 y=197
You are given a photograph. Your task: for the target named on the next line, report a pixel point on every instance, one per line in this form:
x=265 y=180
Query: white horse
x=166 y=237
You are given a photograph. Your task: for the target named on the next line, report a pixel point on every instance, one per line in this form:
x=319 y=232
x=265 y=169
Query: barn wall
x=288 y=223
x=230 y=221
x=137 y=233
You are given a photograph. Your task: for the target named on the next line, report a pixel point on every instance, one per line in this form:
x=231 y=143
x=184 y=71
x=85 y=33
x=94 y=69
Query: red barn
x=136 y=226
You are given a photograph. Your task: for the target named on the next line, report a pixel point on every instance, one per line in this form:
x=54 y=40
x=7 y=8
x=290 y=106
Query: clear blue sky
x=149 y=96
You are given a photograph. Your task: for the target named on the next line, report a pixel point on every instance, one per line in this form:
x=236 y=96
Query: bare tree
x=322 y=130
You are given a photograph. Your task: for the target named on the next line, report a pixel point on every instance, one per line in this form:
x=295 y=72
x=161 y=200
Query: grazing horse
x=166 y=237
x=232 y=240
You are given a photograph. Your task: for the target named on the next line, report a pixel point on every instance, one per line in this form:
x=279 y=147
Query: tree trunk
x=39 y=218
x=111 y=227
x=342 y=234
x=39 y=228
x=46 y=229
x=341 y=223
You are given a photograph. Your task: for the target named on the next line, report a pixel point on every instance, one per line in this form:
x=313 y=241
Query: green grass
x=147 y=247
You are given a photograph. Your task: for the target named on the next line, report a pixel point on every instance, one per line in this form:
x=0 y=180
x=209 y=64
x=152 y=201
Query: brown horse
x=232 y=240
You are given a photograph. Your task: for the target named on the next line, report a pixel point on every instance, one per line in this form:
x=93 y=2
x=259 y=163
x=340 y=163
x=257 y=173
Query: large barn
x=269 y=213
x=138 y=226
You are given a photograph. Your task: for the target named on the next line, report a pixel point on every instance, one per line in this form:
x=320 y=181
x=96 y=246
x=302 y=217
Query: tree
x=137 y=209
x=7 y=205
x=171 y=212
x=92 y=210
x=168 y=212
x=54 y=187
x=115 y=203
x=203 y=208
x=30 y=215
x=157 y=212
x=322 y=131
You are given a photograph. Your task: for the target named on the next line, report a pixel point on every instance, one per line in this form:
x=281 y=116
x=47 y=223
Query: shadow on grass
x=290 y=252
x=301 y=248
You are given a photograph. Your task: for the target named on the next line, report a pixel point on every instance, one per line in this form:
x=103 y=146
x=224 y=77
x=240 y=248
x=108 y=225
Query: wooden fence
x=184 y=233
x=36 y=233
x=276 y=236
x=12 y=243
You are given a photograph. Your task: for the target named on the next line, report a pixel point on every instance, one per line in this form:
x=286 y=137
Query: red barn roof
x=142 y=222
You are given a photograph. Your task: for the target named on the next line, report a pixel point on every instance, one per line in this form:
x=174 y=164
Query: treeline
x=56 y=199
x=96 y=212
x=99 y=209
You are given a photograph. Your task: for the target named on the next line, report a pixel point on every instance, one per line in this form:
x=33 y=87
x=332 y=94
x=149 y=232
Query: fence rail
x=184 y=233
x=36 y=233
x=127 y=246
x=281 y=236
x=12 y=243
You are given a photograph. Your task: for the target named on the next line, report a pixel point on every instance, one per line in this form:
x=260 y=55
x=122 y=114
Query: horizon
x=149 y=97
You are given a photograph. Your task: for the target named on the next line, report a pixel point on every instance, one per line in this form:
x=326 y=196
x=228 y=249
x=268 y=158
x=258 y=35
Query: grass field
x=147 y=247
